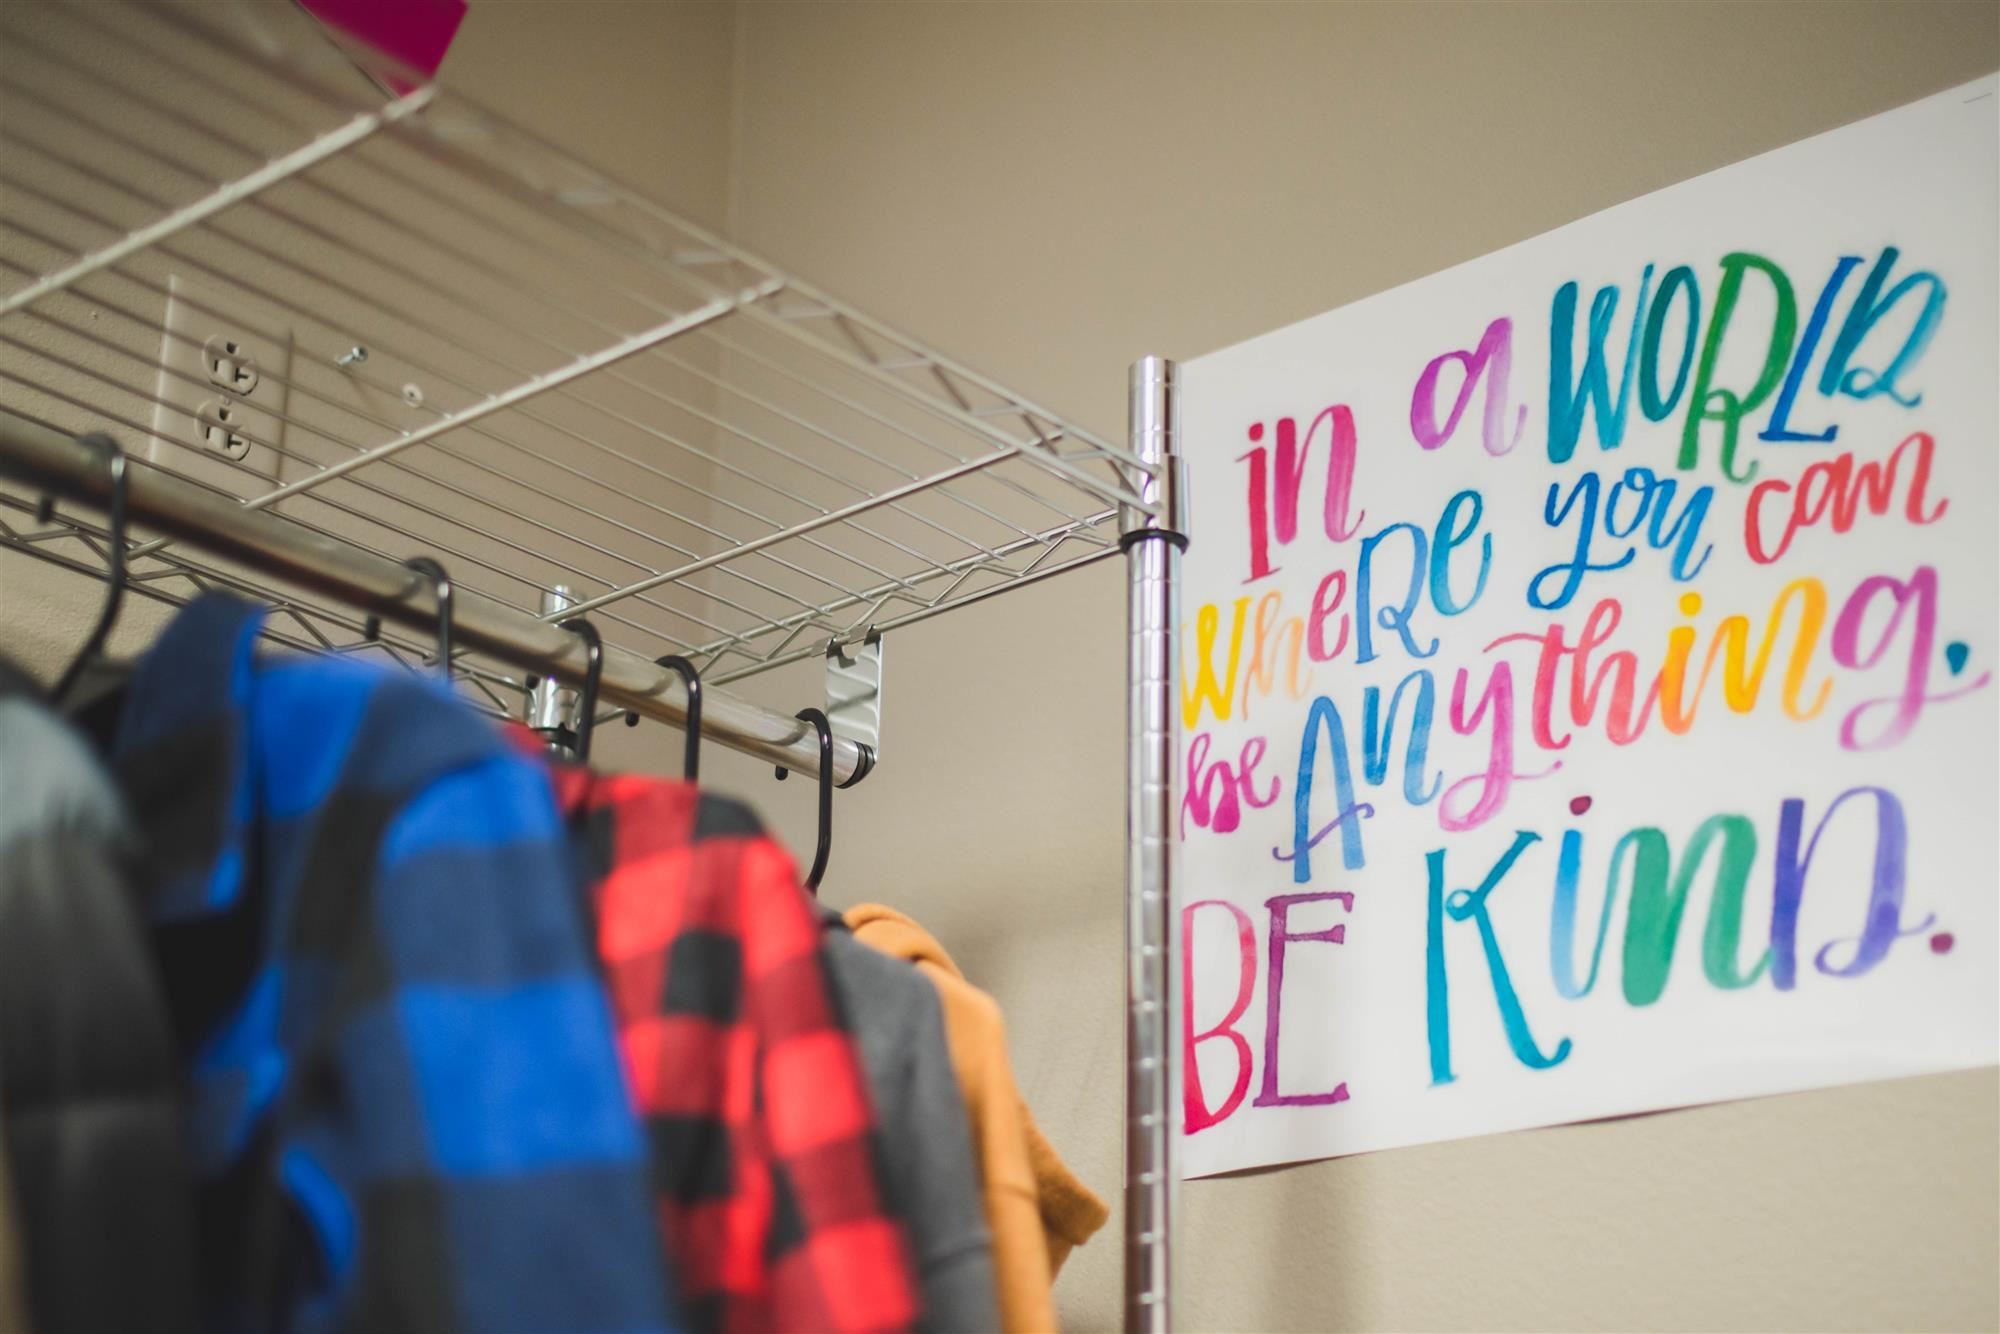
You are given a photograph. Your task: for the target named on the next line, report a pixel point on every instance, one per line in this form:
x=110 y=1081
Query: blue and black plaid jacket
x=408 y=1110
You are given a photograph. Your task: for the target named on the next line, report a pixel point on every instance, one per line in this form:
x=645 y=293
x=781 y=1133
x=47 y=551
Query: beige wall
x=1049 y=190
x=639 y=89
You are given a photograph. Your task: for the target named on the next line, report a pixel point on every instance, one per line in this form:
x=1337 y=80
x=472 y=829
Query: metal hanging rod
x=55 y=463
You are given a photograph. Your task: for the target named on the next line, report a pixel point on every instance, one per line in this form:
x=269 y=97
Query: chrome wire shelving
x=337 y=317
x=469 y=345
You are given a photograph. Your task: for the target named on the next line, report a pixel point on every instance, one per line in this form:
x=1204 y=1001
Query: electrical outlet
x=219 y=423
x=225 y=371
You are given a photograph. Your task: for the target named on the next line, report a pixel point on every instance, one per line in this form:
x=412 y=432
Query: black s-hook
x=371 y=629
x=586 y=721
x=114 y=560
x=691 y=759
x=817 y=717
x=691 y=679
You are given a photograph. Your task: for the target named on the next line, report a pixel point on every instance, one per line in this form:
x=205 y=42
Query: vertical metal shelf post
x=1153 y=544
x=549 y=706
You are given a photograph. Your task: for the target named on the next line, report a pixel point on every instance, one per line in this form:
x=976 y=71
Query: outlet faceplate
x=224 y=372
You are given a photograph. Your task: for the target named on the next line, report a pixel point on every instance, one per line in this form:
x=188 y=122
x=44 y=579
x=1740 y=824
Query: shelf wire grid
x=472 y=346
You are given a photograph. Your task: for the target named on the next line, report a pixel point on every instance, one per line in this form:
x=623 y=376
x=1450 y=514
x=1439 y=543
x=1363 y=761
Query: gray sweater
x=928 y=1168
x=94 y=1130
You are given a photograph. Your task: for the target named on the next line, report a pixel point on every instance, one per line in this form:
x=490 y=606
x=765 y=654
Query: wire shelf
x=466 y=344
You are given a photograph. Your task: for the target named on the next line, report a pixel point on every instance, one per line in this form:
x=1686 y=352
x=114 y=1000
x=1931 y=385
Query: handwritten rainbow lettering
x=1861 y=657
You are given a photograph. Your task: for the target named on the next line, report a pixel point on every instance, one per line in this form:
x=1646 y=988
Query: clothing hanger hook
x=441 y=589
x=586 y=721
x=817 y=717
x=114 y=560
x=371 y=628
x=691 y=680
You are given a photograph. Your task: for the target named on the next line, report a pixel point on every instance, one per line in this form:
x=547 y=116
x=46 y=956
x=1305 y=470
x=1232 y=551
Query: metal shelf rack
x=337 y=316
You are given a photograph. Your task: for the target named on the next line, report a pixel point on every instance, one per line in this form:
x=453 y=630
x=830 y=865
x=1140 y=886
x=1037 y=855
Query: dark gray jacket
x=94 y=1135
x=929 y=1173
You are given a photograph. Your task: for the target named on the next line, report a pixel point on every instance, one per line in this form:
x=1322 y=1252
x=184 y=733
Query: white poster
x=1588 y=702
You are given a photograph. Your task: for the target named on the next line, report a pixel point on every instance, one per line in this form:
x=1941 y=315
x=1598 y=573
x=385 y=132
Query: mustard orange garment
x=1036 y=1208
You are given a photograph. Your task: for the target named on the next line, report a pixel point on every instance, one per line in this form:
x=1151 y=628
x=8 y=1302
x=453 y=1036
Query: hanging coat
x=94 y=1127
x=408 y=1111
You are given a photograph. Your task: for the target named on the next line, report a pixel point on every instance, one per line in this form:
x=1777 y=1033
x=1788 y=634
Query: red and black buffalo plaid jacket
x=749 y=1085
